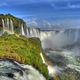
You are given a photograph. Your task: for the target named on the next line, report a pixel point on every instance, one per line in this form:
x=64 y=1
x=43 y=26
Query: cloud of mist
x=58 y=40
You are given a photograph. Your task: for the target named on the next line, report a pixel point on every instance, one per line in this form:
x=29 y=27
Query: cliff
x=23 y=50
x=11 y=24
x=17 y=21
x=14 y=46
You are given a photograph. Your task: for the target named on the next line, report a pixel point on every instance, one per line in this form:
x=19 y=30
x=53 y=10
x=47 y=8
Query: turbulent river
x=66 y=62
x=11 y=70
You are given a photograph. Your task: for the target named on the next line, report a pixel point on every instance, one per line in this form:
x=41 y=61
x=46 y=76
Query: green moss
x=23 y=50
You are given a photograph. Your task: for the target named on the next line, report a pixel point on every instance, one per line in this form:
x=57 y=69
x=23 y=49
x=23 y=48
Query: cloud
x=74 y=6
x=47 y=23
x=24 y=1
x=25 y=16
x=53 y=5
x=61 y=24
x=32 y=23
x=65 y=4
x=29 y=1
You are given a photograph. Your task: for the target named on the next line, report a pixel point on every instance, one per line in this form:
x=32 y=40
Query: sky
x=44 y=13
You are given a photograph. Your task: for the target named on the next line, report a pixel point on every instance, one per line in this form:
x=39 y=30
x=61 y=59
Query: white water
x=32 y=32
x=67 y=58
x=12 y=27
x=33 y=73
x=3 y=24
x=65 y=40
x=50 y=39
x=7 y=22
x=14 y=71
x=22 y=30
x=8 y=26
x=42 y=58
x=52 y=70
x=58 y=40
x=55 y=39
x=61 y=39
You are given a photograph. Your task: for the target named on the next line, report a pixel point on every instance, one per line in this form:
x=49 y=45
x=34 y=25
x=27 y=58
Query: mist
x=60 y=39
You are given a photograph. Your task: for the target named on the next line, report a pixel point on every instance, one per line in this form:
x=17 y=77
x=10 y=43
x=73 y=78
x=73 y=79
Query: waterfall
x=56 y=38
x=42 y=58
x=32 y=32
x=76 y=35
x=35 y=75
x=11 y=70
x=28 y=33
x=3 y=25
x=12 y=27
x=60 y=40
x=8 y=26
x=7 y=23
x=53 y=40
x=52 y=70
x=22 y=30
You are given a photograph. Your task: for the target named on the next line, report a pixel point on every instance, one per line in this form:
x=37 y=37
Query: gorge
x=53 y=38
x=62 y=47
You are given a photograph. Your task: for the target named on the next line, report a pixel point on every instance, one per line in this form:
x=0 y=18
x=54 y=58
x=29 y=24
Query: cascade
x=22 y=30
x=32 y=32
x=11 y=70
x=12 y=27
x=7 y=23
x=61 y=39
x=76 y=35
x=8 y=26
x=3 y=25
x=28 y=33
x=42 y=58
x=51 y=69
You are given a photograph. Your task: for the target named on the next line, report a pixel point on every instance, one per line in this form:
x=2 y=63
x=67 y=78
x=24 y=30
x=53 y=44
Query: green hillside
x=23 y=50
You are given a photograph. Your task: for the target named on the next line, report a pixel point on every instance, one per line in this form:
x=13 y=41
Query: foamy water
x=11 y=70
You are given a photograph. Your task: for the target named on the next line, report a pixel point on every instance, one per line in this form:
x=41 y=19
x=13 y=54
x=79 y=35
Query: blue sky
x=48 y=12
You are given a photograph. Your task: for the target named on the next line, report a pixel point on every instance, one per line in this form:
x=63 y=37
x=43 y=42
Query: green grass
x=23 y=50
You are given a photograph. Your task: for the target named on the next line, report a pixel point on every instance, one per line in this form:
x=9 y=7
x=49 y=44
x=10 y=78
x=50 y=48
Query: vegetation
x=24 y=50
x=16 y=21
x=19 y=48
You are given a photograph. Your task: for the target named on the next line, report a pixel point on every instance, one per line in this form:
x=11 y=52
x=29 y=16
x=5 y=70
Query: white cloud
x=69 y=23
x=65 y=23
x=32 y=23
x=47 y=23
x=74 y=6
x=68 y=5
